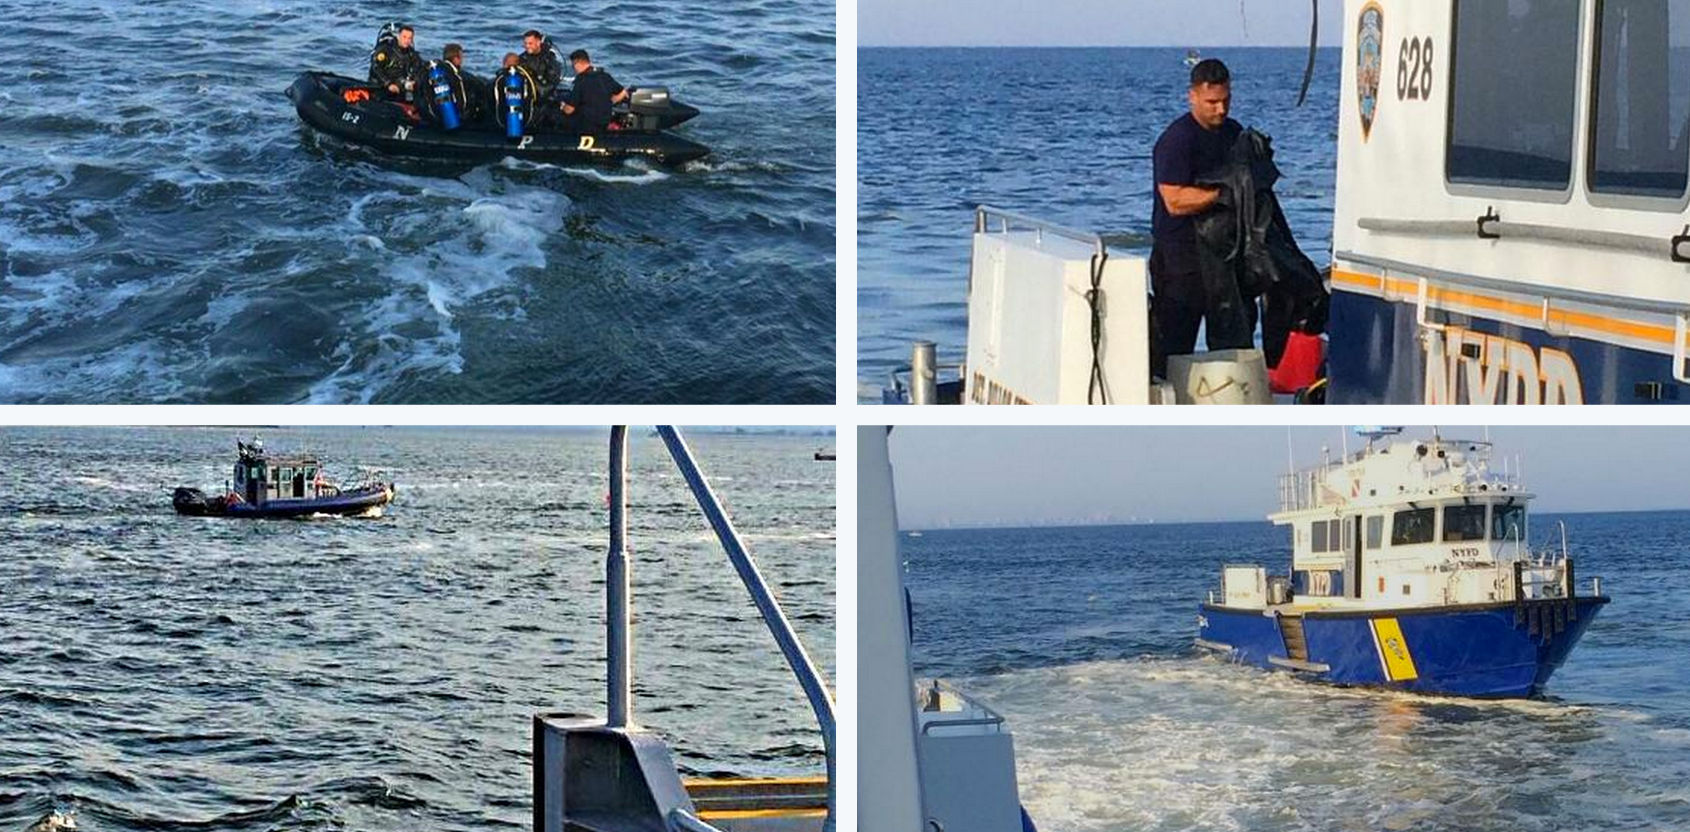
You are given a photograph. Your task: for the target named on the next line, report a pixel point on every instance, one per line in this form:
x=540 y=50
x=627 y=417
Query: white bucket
x=1220 y=377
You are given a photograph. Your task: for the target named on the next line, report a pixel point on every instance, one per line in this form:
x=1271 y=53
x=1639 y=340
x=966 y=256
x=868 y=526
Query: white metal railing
x=941 y=706
x=1301 y=490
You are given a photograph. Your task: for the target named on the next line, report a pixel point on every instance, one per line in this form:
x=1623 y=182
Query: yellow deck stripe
x=1600 y=323
x=748 y=814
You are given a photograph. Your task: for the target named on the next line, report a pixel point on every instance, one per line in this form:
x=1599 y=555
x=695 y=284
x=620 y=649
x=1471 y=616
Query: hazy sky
x=1016 y=475
x=1182 y=23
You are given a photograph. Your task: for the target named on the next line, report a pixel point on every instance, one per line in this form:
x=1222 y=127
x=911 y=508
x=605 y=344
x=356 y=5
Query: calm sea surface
x=1061 y=134
x=169 y=231
x=1082 y=638
x=169 y=673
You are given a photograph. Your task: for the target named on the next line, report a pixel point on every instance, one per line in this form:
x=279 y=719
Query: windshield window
x=1508 y=523
x=1412 y=526
x=1464 y=523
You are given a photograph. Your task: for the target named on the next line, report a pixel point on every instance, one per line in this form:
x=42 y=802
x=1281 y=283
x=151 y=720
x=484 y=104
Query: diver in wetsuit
x=471 y=93
x=395 y=65
x=587 y=108
x=541 y=61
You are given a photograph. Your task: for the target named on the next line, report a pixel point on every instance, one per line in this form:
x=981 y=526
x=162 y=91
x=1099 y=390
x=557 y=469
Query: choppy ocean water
x=1060 y=134
x=1082 y=638
x=168 y=673
x=170 y=232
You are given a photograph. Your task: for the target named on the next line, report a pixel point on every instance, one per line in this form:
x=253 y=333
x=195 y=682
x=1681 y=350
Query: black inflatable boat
x=352 y=111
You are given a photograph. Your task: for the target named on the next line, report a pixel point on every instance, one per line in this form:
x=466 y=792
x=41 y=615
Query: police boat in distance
x=275 y=486
x=1409 y=572
x=356 y=112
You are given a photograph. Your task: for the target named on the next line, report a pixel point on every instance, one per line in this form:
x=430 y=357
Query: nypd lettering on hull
x=1471 y=359
x=1409 y=571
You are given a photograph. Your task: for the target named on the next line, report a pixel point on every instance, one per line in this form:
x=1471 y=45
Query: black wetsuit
x=392 y=64
x=470 y=93
x=545 y=68
x=591 y=97
x=478 y=97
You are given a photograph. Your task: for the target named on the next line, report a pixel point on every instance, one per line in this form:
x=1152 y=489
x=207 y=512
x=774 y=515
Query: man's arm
x=621 y=93
x=1187 y=200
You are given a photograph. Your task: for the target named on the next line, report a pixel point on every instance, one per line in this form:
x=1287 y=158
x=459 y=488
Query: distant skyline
x=1189 y=23
x=1030 y=476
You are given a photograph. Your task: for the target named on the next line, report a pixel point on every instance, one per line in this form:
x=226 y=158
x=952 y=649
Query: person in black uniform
x=540 y=59
x=395 y=65
x=1195 y=143
x=587 y=108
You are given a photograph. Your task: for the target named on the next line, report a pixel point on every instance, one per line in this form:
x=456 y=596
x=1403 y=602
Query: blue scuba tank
x=443 y=97
x=513 y=105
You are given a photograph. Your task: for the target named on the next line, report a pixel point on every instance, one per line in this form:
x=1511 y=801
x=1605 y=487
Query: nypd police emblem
x=1370 y=43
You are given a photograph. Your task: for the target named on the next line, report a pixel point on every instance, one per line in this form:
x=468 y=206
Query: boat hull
x=1501 y=650
x=1379 y=355
x=353 y=502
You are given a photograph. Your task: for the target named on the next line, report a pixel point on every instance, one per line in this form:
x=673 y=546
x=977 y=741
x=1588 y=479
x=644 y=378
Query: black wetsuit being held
x=591 y=97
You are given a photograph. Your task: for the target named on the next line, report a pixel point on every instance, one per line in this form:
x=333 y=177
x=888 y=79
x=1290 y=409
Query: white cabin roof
x=1390 y=472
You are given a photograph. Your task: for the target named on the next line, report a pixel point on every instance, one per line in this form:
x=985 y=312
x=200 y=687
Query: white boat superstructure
x=1510 y=222
x=1404 y=523
x=929 y=758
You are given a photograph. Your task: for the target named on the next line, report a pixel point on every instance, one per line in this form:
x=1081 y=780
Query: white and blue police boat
x=1409 y=571
x=267 y=485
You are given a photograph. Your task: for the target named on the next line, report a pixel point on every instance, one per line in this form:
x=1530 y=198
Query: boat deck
x=787 y=804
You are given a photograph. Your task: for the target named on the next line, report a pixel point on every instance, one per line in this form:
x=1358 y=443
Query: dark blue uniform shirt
x=1184 y=151
x=590 y=96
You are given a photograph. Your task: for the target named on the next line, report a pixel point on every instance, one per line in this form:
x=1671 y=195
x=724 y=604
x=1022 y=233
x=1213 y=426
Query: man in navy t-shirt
x=1194 y=144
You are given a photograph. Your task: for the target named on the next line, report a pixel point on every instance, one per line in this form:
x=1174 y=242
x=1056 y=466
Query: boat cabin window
x=1375 y=531
x=1413 y=526
x=1512 y=88
x=1641 y=103
x=1508 y=523
x=1464 y=523
x=1326 y=536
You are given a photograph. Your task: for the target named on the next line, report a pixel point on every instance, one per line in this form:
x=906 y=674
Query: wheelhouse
x=1352 y=555
x=260 y=478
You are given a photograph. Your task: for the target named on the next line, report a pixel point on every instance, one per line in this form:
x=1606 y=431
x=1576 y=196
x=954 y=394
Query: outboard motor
x=646 y=108
x=189 y=501
x=513 y=105
x=444 y=99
